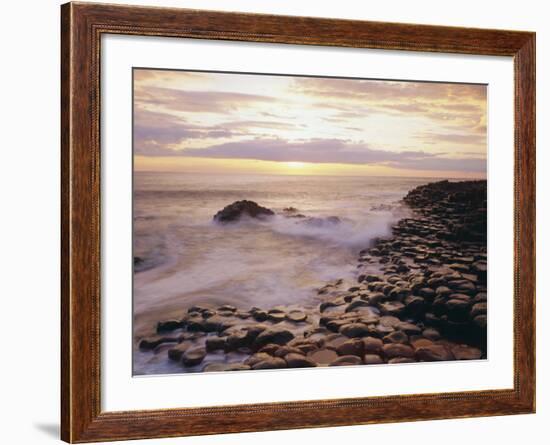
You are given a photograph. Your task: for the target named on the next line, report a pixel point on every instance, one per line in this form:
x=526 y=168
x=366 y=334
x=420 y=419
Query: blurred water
x=189 y=259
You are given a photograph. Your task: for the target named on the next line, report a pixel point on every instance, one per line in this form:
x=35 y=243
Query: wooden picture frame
x=82 y=25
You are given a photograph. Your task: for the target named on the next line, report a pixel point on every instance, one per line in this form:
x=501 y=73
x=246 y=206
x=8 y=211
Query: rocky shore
x=420 y=296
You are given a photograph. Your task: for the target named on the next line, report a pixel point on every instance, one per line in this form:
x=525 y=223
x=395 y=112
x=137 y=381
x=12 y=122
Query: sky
x=219 y=123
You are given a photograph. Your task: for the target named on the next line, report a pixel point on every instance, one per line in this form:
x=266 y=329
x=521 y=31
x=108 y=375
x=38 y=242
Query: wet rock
x=282 y=351
x=336 y=341
x=193 y=356
x=297 y=316
x=433 y=353
x=464 y=352
x=270 y=363
x=480 y=297
x=256 y=358
x=220 y=367
x=481 y=321
x=442 y=291
x=354 y=330
x=372 y=359
x=294 y=360
x=323 y=356
x=421 y=342
x=431 y=334
x=237 y=339
x=238 y=209
x=408 y=328
x=215 y=343
x=396 y=337
x=400 y=360
x=356 y=304
x=276 y=315
x=148 y=344
x=259 y=315
x=427 y=293
x=269 y=348
x=392 y=308
x=372 y=345
x=478 y=309
x=275 y=335
x=457 y=310
x=175 y=353
x=392 y=350
x=381 y=331
x=376 y=297
x=354 y=346
x=168 y=326
x=389 y=321
x=347 y=360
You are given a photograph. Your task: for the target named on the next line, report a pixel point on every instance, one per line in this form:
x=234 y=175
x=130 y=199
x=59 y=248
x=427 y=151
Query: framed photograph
x=276 y=222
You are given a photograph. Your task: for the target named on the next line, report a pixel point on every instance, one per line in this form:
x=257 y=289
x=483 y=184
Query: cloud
x=458 y=138
x=196 y=101
x=330 y=151
x=384 y=90
x=153 y=131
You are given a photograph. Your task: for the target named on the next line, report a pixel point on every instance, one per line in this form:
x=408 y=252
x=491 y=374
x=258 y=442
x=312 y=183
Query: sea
x=187 y=258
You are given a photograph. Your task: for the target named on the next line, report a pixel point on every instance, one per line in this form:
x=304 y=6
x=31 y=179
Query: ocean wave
x=344 y=232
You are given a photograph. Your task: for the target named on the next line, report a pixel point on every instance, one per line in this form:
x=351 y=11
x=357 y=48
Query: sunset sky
x=242 y=123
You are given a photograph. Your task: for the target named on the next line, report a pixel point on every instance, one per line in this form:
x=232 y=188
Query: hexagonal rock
x=356 y=304
x=354 y=330
x=270 y=363
x=323 y=356
x=275 y=335
x=177 y=351
x=433 y=353
x=354 y=346
x=347 y=360
x=391 y=308
x=294 y=360
x=408 y=328
x=478 y=309
x=421 y=342
x=392 y=350
x=398 y=360
x=219 y=367
x=372 y=345
x=193 y=356
x=389 y=320
x=465 y=352
x=372 y=359
x=431 y=334
x=396 y=337
x=296 y=316
x=168 y=326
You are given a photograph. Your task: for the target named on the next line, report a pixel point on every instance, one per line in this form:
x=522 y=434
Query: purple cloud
x=331 y=151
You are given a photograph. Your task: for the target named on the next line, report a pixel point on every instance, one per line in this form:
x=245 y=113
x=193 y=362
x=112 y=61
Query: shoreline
x=420 y=296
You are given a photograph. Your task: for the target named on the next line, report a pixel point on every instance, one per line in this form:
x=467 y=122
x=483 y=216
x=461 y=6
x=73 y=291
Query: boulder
x=279 y=336
x=323 y=356
x=354 y=330
x=392 y=350
x=193 y=356
x=294 y=360
x=433 y=353
x=347 y=360
x=372 y=359
x=270 y=363
x=238 y=209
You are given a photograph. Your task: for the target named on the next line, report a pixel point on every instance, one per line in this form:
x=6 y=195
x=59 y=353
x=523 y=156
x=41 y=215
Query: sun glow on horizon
x=295 y=165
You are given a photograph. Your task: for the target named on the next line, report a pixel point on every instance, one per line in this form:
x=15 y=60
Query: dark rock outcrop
x=238 y=209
